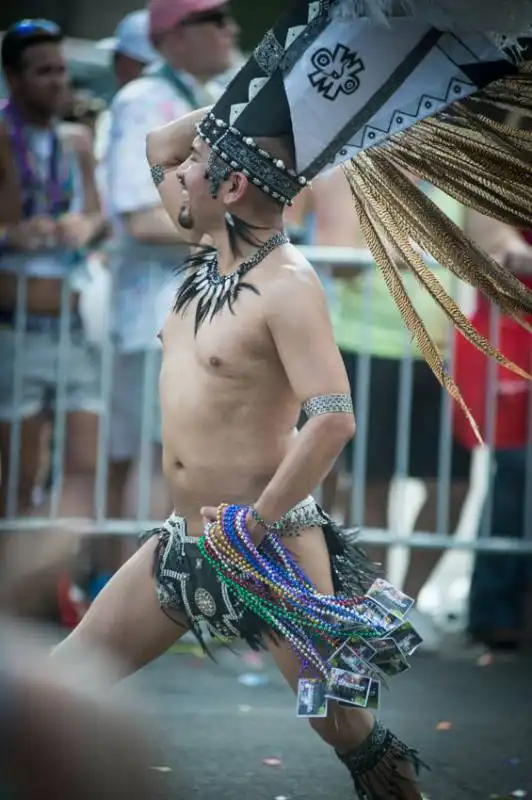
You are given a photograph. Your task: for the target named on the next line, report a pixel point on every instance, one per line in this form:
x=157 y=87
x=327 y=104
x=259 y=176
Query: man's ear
x=237 y=184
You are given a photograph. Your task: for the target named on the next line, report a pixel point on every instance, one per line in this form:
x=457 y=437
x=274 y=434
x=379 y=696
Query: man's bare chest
x=231 y=344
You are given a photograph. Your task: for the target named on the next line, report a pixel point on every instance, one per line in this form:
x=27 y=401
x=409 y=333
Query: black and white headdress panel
x=334 y=86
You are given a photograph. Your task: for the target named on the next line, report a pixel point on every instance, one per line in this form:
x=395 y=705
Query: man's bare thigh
x=312 y=556
x=310 y=551
x=126 y=619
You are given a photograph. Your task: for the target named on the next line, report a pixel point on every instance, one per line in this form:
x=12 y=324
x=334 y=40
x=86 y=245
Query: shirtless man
x=249 y=344
x=229 y=432
x=49 y=213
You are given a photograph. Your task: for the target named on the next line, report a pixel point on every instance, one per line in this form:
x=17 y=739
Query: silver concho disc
x=205 y=602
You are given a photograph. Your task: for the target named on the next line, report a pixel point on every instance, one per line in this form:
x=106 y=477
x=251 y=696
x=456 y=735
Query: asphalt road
x=471 y=723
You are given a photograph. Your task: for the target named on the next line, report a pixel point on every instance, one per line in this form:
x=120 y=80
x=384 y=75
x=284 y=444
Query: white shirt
x=145 y=282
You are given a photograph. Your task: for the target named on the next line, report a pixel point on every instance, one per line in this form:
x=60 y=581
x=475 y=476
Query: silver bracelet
x=328 y=404
x=157 y=173
x=261 y=521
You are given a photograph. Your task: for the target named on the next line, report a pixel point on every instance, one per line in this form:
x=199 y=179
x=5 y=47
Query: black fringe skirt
x=191 y=593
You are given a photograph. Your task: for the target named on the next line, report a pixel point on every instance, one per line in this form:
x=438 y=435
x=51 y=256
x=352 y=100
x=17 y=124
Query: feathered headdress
x=441 y=89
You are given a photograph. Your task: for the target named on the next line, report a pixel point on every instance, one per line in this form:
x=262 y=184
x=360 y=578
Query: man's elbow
x=338 y=428
x=348 y=427
x=153 y=147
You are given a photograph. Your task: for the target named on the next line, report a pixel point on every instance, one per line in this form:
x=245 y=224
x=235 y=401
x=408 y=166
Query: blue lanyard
x=170 y=75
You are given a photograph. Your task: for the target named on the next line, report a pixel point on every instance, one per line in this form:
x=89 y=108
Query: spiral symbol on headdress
x=335 y=71
x=350 y=85
x=322 y=58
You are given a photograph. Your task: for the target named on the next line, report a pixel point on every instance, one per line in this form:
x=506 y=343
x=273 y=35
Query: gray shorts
x=31 y=368
x=135 y=387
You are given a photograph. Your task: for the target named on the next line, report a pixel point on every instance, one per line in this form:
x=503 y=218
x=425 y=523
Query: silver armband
x=328 y=404
x=157 y=173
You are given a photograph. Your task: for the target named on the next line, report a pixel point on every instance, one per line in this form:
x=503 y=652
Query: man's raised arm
x=298 y=320
x=167 y=148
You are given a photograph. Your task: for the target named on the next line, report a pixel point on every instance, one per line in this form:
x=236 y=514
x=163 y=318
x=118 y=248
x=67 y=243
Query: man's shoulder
x=296 y=269
x=293 y=278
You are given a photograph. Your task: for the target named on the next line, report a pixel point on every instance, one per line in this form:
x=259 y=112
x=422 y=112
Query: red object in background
x=513 y=392
x=71 y=602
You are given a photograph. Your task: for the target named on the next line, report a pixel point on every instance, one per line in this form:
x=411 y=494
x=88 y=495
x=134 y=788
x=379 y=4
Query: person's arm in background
x=132 y=192
x=10 y=200
x=84 y=223
x=16 y=233
x=502 y=242
x=335 y=219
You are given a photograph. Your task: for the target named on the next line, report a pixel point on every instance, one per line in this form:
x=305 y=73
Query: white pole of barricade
x=445 y=453
x=404 y=413
x=149 y=388
x=104 y=428
x=363 y=383
x=18 y=377
x=491 y=421
x=58 y=439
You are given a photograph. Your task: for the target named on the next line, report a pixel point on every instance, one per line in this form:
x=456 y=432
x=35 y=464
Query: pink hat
x=166 y=14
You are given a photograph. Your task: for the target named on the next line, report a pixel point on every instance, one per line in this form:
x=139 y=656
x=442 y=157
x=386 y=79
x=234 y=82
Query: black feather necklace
x=215 y=291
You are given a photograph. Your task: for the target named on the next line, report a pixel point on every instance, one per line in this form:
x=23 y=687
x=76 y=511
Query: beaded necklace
x=50 y=194
x=215 y=291
x=270 y=583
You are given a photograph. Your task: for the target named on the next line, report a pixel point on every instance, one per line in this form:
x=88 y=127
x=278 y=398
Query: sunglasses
x=29 y=27
x=218 y=16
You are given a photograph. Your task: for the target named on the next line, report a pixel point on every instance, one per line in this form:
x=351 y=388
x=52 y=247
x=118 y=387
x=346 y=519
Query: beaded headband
x=243 y=154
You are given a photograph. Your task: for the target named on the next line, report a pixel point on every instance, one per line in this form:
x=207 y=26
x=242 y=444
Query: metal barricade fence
x=330 y=263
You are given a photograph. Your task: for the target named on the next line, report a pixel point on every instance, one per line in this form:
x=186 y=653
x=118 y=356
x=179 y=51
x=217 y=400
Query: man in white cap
x=131 y=53
x=131 y=47
x=195 y=42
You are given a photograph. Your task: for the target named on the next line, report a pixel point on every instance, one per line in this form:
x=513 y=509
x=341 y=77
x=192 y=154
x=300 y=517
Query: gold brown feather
x=478 y=151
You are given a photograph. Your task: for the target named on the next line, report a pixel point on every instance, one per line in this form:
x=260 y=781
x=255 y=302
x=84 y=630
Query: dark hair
x=25 y=34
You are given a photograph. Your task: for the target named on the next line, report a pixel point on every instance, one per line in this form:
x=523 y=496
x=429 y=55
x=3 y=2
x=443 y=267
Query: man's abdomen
x=218 y=472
